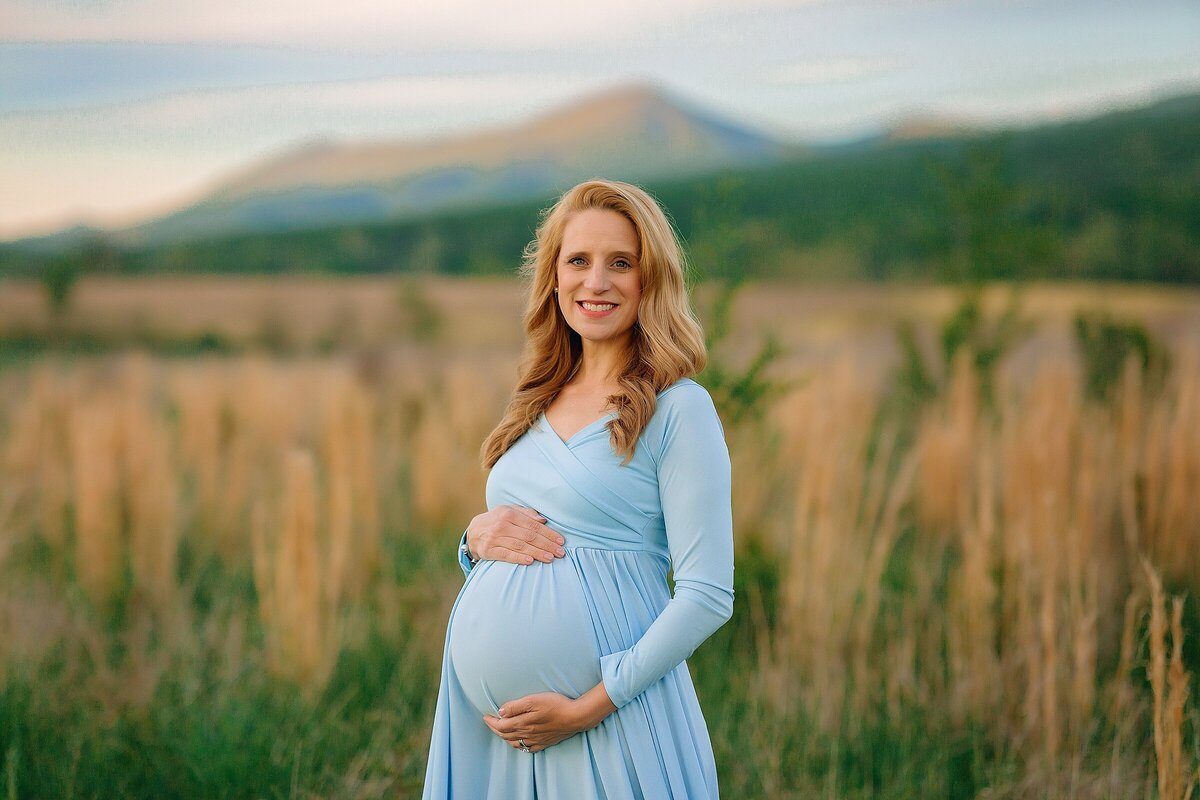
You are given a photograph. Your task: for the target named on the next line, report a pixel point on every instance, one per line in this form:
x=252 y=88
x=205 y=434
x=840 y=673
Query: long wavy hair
x=666 y=343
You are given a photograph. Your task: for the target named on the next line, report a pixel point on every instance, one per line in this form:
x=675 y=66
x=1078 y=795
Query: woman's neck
x=601 y=364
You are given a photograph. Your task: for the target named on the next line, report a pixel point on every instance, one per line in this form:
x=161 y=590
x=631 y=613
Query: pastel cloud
x=514 y=23
x=833 y=70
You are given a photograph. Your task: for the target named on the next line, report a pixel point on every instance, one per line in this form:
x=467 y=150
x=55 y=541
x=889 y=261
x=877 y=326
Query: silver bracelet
x=462 y=548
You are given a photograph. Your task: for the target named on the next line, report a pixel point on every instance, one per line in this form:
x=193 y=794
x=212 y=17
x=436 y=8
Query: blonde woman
x=563 y=673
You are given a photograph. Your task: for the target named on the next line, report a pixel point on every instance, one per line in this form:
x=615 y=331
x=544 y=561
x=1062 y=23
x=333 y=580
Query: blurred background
x=259 y=308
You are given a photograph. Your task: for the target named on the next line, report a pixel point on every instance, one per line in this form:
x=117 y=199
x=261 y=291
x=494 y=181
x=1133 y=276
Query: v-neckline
x=577 y=433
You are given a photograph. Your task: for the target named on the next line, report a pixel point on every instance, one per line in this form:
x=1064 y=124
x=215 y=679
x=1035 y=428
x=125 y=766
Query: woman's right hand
x=514 y=534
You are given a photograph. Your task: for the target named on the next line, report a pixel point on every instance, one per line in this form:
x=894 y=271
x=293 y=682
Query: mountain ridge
x=632 y=131
x=347 y=203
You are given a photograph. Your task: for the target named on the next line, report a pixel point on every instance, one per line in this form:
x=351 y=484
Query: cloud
x=1003 y=106
x=833 y=70
x=415 y=105
x=357 y=23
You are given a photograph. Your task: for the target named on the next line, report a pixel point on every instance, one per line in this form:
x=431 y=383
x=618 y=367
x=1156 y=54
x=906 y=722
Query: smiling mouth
x=605 y=306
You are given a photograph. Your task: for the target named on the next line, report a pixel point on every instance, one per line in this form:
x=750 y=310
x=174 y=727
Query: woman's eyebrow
x=622 y=253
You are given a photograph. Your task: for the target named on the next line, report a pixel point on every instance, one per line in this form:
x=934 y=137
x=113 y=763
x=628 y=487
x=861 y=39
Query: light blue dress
x=603 y=611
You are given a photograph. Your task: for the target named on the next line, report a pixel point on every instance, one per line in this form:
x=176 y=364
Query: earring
x=556 y=290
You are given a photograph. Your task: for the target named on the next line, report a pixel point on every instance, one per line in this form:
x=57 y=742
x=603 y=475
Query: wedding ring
x=522 y=743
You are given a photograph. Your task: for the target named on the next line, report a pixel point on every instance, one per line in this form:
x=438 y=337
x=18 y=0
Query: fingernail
x=543 y=519
x=561 y=540
x=560 y=551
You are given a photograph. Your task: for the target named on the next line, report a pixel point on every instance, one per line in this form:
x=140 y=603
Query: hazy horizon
x=113 y=110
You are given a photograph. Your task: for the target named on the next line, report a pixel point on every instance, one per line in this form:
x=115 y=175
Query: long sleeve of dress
x=694 y=478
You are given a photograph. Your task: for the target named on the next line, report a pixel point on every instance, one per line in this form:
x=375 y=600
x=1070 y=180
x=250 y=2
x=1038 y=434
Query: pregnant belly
x=518 y=629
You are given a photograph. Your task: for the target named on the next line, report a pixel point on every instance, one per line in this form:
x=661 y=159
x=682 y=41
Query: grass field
x=484 y=312
x=227 y=569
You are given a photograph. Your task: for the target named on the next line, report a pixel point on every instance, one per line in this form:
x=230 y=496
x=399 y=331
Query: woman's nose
x=597 y=279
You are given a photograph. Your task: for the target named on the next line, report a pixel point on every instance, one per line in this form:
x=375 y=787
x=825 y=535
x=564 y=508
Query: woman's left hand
x=539 y=720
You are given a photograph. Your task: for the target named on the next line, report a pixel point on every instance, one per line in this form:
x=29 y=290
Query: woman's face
x=598 y=263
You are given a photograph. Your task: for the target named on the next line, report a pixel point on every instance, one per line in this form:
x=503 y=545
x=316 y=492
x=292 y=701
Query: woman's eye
x=620 y=262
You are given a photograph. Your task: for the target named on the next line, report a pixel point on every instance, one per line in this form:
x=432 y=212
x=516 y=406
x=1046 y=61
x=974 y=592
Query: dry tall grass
x=1024 y=524
x=292 y=576
x=979 y=567
x=93 y=457
x=1169 y=682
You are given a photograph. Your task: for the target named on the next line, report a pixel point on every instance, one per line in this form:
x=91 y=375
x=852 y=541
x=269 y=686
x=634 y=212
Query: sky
x=112 y=111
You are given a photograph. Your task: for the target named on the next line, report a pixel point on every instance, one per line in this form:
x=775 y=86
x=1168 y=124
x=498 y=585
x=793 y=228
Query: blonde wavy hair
x=667 y=342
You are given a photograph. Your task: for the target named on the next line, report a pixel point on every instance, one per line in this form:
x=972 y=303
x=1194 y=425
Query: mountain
x=634 y=132
x=1113 y=197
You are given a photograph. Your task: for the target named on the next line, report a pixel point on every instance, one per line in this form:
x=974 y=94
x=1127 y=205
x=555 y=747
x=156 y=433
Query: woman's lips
x=594 y=314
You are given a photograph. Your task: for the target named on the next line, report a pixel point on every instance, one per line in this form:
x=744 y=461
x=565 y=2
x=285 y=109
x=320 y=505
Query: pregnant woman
x=564 y=672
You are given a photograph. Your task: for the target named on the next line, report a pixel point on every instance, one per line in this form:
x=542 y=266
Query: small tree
x=419 y=316
x=58 y=278
x=1106 y=343
x=917 y=380
x=94 y=255
x=741 y=394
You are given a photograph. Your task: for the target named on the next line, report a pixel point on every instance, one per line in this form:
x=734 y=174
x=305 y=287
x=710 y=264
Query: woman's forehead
x=608 y=232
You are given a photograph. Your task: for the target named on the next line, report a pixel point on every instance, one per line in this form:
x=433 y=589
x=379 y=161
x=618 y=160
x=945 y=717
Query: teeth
x=598 y=306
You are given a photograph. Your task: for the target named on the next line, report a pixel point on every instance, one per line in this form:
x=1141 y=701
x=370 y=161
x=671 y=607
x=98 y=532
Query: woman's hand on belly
x=544 y=719
x=514 y=534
